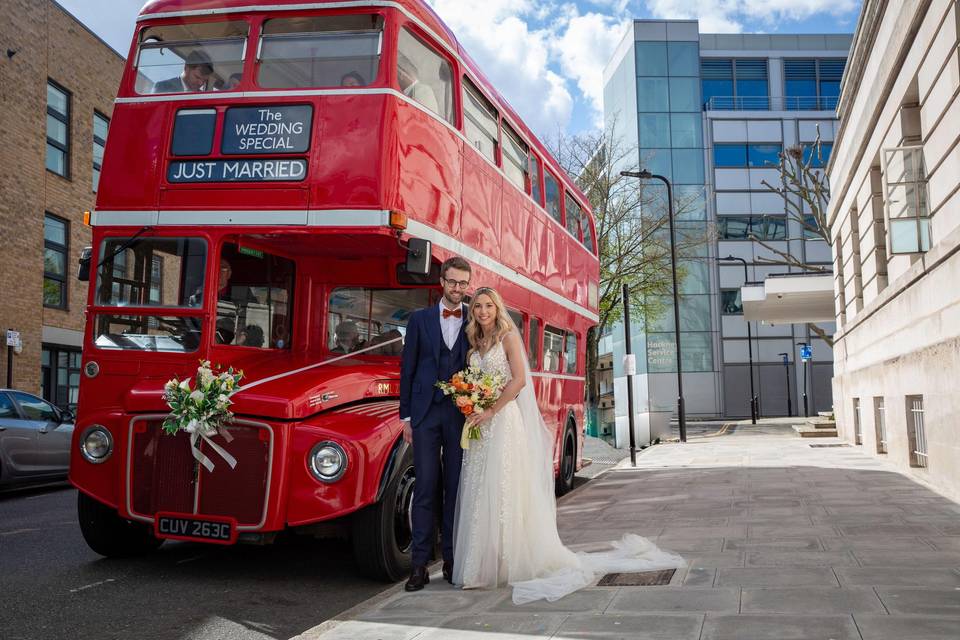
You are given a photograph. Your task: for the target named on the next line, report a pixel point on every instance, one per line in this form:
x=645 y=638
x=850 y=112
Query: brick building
x=57 y=82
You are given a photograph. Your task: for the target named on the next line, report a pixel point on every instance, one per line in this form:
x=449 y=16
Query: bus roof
x=415 y=8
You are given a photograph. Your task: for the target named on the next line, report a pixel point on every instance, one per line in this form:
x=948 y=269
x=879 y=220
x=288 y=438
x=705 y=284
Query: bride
x=506 y=521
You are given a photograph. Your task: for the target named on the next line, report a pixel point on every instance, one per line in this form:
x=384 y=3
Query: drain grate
x=820 y=446
x=641 y=579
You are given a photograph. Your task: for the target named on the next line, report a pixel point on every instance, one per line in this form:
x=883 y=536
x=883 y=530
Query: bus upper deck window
x=320 y=51
x=424 y=76
x=190 y=58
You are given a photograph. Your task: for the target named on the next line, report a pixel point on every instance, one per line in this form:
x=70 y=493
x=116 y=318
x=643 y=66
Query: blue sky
x=547 y=56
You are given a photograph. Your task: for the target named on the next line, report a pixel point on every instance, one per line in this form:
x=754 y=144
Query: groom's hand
x=407 y=432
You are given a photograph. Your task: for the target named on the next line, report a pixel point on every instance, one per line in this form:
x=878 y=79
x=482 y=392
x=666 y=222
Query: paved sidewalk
x=784 y=542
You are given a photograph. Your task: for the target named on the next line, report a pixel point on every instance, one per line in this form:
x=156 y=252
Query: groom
x=435 y=348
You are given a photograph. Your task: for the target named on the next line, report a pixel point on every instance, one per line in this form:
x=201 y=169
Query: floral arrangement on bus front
x=203 y=411
x=472 y=391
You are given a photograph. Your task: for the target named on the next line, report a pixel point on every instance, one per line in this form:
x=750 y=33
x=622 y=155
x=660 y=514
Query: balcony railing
x=768 y=103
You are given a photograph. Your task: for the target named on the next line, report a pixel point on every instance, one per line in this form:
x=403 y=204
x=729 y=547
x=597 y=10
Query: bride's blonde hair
x=501 y=326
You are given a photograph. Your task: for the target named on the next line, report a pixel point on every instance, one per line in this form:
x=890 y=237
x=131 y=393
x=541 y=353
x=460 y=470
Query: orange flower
x=467 y=410
x=463 y=401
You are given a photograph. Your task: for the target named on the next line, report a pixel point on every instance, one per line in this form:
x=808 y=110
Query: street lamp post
x=643 y=174
x=786 y=368
x=754 y=405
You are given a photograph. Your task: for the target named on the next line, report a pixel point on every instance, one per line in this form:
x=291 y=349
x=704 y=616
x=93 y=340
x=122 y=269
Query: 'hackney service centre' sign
x=247 y=131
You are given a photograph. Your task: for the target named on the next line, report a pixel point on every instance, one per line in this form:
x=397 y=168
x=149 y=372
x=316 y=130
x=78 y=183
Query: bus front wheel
x=382 y=532
x=110 y=535
x=568 y=460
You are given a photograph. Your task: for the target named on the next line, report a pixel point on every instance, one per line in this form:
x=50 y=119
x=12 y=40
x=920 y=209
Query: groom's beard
x=453 y=302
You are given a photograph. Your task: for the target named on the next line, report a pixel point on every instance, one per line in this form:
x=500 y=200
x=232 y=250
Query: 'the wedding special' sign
x=275 y=129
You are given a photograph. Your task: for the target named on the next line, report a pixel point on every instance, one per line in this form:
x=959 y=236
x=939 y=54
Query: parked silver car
x=34 y=439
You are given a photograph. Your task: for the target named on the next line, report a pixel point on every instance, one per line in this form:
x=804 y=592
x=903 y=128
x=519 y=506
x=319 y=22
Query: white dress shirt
x=450 y=327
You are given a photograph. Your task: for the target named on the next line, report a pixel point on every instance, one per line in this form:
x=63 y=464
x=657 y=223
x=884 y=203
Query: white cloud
x=583 y=48
x=513 y=56
x=728 y=16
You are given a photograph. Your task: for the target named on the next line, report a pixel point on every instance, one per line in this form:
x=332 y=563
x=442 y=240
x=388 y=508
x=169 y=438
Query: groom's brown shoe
x=418 y=579
x=448 y=571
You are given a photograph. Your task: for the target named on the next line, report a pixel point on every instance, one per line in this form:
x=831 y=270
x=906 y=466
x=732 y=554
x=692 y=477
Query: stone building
x=895 y=220
x=57 y=82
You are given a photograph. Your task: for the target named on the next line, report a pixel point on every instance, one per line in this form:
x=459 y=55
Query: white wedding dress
x=506 y=522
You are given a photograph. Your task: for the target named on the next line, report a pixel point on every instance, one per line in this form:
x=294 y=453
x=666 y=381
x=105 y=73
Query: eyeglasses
x=457 y=284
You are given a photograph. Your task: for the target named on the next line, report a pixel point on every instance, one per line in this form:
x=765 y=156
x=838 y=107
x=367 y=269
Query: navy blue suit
x=436 y=425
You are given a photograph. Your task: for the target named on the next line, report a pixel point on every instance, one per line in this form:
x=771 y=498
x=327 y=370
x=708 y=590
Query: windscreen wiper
x=132 y=240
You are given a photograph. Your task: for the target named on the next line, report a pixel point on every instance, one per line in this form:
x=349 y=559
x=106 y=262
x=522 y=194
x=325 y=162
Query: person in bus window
x=412 y=87
x=251 y=336
x=347 y=336
x=232 y=82
x=197 y=70
x=352 y=79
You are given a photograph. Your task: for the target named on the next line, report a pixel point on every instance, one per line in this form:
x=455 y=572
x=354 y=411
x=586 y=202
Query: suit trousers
x=436 y=461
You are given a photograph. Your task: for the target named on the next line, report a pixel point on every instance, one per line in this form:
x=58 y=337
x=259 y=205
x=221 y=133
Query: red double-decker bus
x=280 y=185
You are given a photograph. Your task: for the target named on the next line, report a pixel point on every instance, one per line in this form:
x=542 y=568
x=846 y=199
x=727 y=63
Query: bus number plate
x=206 y=529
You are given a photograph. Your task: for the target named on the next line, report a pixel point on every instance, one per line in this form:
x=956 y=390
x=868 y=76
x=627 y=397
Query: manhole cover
x=641 y=579
x=820 y=446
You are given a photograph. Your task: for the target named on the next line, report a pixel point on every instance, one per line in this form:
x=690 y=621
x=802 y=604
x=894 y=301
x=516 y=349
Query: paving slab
x=917 y=559
x=515 y=626
x=874 y=627
x=631 y=627
x=675 y=599
x=889 y=576
x=773 y=544
x=800 y=559
x=590 y=599
x=811 y=601
x=778 y=627
x=934 y=602
x=780 y=577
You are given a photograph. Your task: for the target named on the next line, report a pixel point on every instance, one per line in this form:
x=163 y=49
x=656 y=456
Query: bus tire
x=110 y=535
x=382 y=534
x=568 y=461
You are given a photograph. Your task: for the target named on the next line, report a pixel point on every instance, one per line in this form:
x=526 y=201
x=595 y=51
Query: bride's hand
x=479 y=419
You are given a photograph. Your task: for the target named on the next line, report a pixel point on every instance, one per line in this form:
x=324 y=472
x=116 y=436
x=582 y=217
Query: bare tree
x=805 y=188
x=632 y=231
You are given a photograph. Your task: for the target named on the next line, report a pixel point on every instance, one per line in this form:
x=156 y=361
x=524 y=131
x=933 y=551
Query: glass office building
x=711 y=113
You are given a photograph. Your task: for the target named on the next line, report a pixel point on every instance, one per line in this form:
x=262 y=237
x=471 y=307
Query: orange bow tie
x=455 y=314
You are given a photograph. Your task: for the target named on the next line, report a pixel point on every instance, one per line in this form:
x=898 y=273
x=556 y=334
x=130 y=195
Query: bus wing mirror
x=83 y=271
x=419 y=256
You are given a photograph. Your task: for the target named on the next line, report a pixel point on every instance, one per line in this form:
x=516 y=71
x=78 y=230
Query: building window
x=730 y=303
x=734 y=84
x=726 y=156
x=916 y=434
x=906 y=201
x=816 y=159
x=100 y=125
x=857 y=424
x=812 y=84
x=880 y=420
x=58 y=129
x=772 y=227
x=60 y=376
x=56 y=233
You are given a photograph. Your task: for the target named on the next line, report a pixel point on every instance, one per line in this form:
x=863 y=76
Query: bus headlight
x=96 y=444
x=327 y=461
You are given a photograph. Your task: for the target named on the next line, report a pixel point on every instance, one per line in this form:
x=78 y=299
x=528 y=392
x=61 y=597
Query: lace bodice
x=493 y=361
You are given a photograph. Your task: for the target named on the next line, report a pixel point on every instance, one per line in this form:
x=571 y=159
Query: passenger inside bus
x=352 y=79
x=347 y=337
x=392 y=349
x=251 y=336
x=409 y=79
x=232 y=82
x=197 y=69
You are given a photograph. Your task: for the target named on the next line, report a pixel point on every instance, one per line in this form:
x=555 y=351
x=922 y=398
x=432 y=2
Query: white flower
x=185 y=385
x=171 y=384
x=197 y=396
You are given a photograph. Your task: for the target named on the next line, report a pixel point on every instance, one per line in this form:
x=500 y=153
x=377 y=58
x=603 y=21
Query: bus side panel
x=422 y=176
x=482 y=190
x=514 y=221
x=138 y=161
x=345 y=170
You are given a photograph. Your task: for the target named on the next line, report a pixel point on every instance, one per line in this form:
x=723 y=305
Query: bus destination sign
x=245 y=170
x=275 y=129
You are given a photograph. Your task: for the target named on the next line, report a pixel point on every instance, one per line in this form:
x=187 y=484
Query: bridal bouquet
x=203 y=410
x=472 y=391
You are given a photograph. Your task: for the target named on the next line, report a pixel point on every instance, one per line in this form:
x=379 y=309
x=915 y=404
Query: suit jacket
x=420 y=361
x=170 y=85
